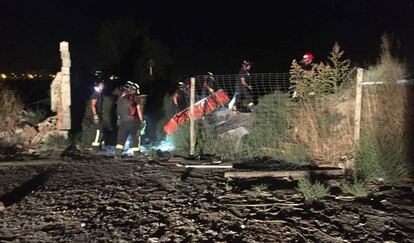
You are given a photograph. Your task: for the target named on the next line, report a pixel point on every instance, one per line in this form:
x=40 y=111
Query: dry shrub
x=324 y=123
x=10 y=106
x=385 y=106
x=325 y=127
x=385 y=119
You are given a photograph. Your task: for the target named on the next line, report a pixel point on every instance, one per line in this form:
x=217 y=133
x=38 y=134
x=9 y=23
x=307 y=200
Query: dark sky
x=209 y=32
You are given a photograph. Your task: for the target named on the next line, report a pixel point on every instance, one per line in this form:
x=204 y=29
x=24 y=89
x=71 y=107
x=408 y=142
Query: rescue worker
x=130 y=119
x=208 y=85
x=180 y=98
x=306 y=62
x=96 y=102
x=243 y=88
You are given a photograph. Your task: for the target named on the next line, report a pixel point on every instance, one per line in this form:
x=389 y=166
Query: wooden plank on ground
x=30 y=163
x=282 y=174
x=175 y=160
x=206 y=166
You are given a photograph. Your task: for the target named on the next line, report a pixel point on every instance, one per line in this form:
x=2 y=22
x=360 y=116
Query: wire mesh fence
x=276 y=125
x=261 y=84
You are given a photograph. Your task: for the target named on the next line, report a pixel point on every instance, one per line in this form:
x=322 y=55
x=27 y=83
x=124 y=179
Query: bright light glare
x=166 y=145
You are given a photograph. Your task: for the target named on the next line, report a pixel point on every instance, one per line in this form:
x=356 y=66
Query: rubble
x=27 y=136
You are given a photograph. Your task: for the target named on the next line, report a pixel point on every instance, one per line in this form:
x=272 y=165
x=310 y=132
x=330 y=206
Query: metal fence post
x=192 y=127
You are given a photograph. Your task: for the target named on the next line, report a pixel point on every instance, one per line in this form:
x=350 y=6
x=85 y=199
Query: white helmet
x=133 y=86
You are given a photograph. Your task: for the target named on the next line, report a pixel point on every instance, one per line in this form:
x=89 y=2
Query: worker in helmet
x=180 y=98
x=306 y=62
x=208 y=85
x=244 y=88
x=96 y=104
x=130 y=119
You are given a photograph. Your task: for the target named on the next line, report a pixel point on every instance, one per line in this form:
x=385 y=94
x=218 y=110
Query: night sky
x=206 y=35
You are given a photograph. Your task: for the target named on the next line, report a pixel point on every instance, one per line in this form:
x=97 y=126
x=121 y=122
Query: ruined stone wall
x=60 y=91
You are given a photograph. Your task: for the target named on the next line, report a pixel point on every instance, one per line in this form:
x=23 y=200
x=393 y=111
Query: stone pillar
x=60 y=92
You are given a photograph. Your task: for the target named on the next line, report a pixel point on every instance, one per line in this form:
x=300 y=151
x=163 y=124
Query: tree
x=115 y=39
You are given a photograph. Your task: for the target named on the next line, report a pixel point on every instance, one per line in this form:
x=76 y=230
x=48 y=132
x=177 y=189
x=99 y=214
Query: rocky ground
x=87 y=198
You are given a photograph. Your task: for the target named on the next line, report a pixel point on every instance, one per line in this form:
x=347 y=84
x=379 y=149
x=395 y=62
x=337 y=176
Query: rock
x=2 y=207
x=18 y=131
x=30 y=132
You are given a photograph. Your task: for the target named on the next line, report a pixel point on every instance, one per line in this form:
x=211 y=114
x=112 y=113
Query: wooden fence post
x=358 y=105
x=192 y=127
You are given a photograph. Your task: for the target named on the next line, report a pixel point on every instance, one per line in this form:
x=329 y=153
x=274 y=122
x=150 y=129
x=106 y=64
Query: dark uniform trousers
x=125 y=129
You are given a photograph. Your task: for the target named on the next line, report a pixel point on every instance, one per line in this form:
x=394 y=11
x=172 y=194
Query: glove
x=142 y=127
x=96 y=119
x=211 y=90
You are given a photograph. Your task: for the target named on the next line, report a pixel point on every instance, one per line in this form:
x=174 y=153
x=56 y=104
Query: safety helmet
x=246 y=62
x=98 y=81
x=132 y=87
x=96 y=84
x=308 y=57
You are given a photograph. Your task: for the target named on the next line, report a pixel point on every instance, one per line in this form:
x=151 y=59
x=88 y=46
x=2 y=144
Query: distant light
x=3 y=76
x=30 y=76
x=112 y=77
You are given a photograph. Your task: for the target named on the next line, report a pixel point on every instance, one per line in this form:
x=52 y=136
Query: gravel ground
x=88 y=198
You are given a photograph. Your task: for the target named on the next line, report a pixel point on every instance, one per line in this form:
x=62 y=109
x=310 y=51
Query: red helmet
x=308 y=57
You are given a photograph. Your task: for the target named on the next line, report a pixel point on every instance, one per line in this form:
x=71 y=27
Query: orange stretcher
x=201 y=108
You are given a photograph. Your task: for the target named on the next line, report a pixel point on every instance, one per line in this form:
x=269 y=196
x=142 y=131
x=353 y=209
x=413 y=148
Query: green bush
x=57 y=141
x=206 y=140
x=375 y=159
x=356 y=189
x=295 y=154
x=270 y=120
x=261 y=188
x=367 y=159
x=312 y=191
x=270 y=133
x=181 y=139
x=34 y=117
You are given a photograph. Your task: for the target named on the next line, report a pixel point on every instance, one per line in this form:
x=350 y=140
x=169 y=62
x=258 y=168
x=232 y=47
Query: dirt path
x=98 y=199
